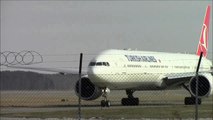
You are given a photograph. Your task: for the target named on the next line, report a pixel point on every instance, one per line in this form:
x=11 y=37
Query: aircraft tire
x=108 y=103
x=105 y=103
x=102 y=103
x=191 y=101
x=130 y=101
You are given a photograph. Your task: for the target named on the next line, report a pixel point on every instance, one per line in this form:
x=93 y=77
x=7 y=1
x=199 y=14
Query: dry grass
x=154 y=104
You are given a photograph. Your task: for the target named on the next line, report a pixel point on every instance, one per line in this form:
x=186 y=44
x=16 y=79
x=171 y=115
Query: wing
x=176 y=80
x=56 y=70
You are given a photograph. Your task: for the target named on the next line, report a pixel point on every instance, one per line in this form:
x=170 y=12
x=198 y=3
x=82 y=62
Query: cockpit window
x=107 y=64
x=99 y=64
x=92 y=64
x=104 y=63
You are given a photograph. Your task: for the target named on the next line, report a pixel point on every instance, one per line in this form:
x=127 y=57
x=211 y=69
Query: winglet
x=203 y=42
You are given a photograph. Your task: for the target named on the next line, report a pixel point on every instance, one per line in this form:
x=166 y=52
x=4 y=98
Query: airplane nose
x=92 y=70
x=95 y=72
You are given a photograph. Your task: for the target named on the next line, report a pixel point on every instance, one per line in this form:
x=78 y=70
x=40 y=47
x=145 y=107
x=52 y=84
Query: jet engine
x=205 y=85
x=88 y=90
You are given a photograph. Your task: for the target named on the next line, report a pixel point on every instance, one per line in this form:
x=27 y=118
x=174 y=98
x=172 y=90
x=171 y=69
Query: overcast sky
x=71 y=27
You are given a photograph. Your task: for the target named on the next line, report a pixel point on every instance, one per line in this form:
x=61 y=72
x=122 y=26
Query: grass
x=161 y=104
x=169 y=111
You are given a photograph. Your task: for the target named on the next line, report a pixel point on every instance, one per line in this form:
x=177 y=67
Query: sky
x=60 y=30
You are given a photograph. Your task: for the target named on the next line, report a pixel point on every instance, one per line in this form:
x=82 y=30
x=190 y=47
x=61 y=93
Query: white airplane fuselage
x=140 y=70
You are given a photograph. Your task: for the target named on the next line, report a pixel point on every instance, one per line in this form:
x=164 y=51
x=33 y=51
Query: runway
x=74 y=107
x=114 y=112
x=66 y=98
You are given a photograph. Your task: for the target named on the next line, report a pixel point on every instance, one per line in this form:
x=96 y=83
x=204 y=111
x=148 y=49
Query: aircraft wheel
x=105 y=103
x=191 y=101
x=108 y=103
x=130 y=101
x=102 y=103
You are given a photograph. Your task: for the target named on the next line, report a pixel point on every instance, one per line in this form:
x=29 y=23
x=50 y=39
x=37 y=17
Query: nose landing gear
x=105 y=102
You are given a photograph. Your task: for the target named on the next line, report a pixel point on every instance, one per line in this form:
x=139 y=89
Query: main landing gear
x=130 y=101
x=105 y=102
x=191 y=100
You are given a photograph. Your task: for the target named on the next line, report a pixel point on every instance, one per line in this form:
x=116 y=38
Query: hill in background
x=21 y=80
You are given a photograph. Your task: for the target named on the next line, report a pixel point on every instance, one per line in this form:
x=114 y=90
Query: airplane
x=132 y=71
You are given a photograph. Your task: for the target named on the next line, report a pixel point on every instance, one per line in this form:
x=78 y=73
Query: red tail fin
x=203 y=43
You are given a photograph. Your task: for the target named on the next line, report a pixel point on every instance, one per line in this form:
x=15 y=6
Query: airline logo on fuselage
x=136 y=58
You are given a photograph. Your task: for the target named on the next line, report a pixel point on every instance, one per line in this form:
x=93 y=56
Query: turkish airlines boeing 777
x=143 y=70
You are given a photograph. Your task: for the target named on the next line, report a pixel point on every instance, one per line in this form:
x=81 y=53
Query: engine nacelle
x=205 y=85
x=88 y=90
